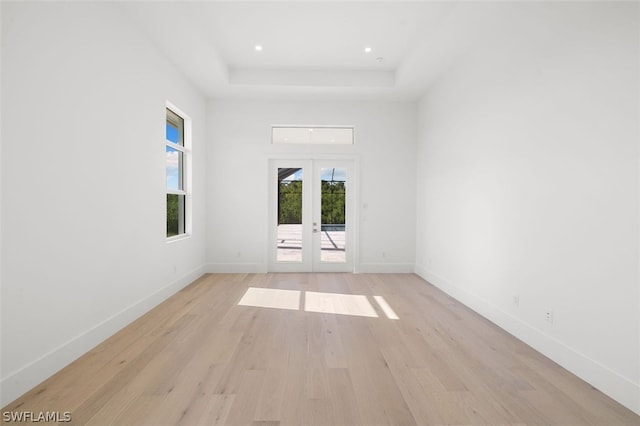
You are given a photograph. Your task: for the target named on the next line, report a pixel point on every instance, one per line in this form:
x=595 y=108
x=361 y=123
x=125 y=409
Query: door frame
x=308 y=263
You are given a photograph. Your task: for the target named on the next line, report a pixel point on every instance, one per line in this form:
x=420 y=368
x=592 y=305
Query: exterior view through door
x=310 y=220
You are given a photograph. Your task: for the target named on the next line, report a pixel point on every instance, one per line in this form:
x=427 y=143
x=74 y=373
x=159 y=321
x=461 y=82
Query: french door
x=311 y=216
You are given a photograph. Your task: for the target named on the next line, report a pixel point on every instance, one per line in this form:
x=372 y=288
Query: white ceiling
x=310 y=49
x=314 y=35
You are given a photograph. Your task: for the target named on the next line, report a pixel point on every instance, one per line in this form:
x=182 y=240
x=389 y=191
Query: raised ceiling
x=309 y=49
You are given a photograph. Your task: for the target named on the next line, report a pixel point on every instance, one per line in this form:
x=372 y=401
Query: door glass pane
x=289 y=215
x=333 y=229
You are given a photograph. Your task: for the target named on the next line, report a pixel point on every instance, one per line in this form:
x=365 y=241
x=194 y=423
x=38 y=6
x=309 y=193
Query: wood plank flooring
x=201 y=359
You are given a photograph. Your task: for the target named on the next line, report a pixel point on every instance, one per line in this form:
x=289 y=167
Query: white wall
x=83 y=181
x=239 y=134
x=528 y=185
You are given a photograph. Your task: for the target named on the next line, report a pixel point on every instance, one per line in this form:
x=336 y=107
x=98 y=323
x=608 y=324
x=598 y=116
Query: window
x=312 y=135
x=177 y=159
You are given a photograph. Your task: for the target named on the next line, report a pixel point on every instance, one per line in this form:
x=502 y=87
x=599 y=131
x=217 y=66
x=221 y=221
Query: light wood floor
x=200 y=359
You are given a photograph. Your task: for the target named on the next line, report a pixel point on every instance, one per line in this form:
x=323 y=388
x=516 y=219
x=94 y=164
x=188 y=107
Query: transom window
x=312 y=135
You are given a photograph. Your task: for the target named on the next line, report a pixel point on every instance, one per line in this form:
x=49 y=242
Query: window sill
x=178 y=238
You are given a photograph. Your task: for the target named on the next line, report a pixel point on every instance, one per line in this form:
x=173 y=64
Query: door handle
x=315 y=230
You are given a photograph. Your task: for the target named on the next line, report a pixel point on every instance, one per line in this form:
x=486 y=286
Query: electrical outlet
x=548 y=315
x=516 y=300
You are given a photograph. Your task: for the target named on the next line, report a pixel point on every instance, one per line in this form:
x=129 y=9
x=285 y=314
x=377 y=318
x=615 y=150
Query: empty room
x=320 y=213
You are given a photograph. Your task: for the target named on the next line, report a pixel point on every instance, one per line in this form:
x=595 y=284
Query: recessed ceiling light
x=258 y=47
x=367 y=49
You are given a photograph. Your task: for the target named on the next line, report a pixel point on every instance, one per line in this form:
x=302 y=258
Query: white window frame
x=185 y=149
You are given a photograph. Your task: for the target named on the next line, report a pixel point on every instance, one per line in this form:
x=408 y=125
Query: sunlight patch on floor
x=390 y=313
x=271 y=298
x=314 y=301
x=336 y=303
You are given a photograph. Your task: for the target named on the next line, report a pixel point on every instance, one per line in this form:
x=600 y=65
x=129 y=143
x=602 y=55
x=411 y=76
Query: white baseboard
x=35 y=372
x=600 y=376
x=385 y=268
x=236 y=268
